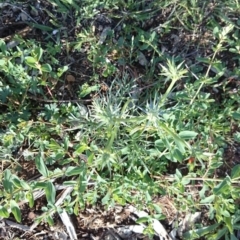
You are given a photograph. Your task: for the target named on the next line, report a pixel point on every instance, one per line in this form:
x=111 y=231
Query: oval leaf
x=157 y=208
x=24 y=185
x=185 y=181
x=41 y=167
x=16 y=181
x=7 y=181
x=236 y=116
x=187 y=135
x=142 y=220
x=235 y=173
x=30 y=199
x=46 y=68
x=3 y=46
x=50 y=220
x=2 y=62
x=30 y=61
x=15 y=210
x=76 y=209
x=222 y=187
x=50 y=192
x=37 y=52
x=208 y=199
x=73 y=171
x=4 y=212
x=179 y=141
x=177 y=155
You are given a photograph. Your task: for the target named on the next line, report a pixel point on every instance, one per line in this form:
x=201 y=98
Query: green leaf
x=106 y=198
x=177 y=155
x=4 y=212
x=90 y=158
x=178 y=174
x=50 y=192
x=153 y=35
x=203 y=191
x=179 y=142
x=61 y=71
x=39 y=185
x=86 y=89
x=50 y=220
x=41 y=27
x=119 y=199
x=30 y=199
x=148 y=196
x=229 y=223
x=236 y=136
x=82 y=180
x=81 y=149
x=185 y=181
x=44 y=209
x=236 y=116
x=73 y=171
x=187 y=135
x=233 y=237
x=3 y=47
x=223 y=187
x=15 y=210
x=32 y=62
x=54 y=146
x=69 y=183
x=235 y=173
x=200 y=232
x=16 y=181
x=76 y=208
x=208 y=199
x=157 y=208
x=220 y=233
x=46 y=68
x=160 y=144
x=37 y=53
x=59 y=209
x=41 y=167
x=7 y=181
x=225 y=213
x=142 y=219
x=2 y=62
x=216 y=30
x=24 y=185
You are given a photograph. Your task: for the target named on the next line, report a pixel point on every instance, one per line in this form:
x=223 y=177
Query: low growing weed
x=159 y=128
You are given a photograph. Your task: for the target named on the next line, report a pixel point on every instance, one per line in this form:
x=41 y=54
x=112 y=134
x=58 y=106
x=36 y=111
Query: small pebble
x=31 y=215
x=70 y=78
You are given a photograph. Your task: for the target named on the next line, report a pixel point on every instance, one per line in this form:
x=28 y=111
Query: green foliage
x=133 y=143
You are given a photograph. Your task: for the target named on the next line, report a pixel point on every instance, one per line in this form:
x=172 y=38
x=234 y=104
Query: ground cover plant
x=125 y=103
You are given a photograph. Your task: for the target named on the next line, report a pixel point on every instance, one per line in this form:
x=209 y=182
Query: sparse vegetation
x=125 y=102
